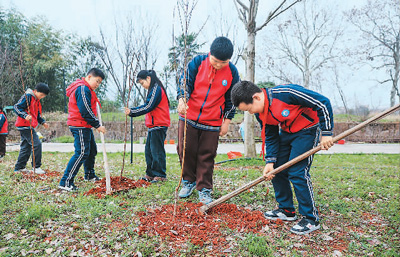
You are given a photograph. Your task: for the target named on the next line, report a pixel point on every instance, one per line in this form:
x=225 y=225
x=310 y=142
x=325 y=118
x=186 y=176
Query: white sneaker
x=24 y=170
x=39 y=171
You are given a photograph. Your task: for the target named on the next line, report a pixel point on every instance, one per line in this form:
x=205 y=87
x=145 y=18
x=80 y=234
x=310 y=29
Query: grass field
x=357 y=195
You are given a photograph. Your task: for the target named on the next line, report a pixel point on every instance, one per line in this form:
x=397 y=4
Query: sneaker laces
x=205 y=193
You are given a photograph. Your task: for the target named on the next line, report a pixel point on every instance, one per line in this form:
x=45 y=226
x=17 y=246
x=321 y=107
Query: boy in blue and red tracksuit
x=209 y=110
x=29 y=111
x=292 y=120
x=157 y=119
x=3 y=133
x=82 y=118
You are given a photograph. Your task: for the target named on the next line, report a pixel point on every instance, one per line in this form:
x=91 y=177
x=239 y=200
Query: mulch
x=118 y=184
x=190 y=225
x=41 y=177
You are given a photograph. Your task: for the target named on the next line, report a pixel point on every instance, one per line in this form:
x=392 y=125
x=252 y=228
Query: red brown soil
x=41 y=177
x=189 y=225
x=117 y=184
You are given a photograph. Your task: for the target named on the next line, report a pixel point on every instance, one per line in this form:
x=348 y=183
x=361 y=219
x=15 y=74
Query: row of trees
x=306 y=44
x=32 y=51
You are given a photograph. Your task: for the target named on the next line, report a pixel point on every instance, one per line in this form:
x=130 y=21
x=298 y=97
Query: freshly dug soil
x=117 y=184
x=190 y=225
x=41 y=177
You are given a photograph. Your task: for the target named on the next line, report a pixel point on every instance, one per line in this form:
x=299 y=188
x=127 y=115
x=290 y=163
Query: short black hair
x=42 y=88
x=221 y=48
x=243 y=91
x=95 y=72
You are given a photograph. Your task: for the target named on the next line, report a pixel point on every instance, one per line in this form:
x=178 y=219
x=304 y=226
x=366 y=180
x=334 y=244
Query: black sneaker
x=91 y=178
x=68 y=188
x=281 y=214
x=305 y=226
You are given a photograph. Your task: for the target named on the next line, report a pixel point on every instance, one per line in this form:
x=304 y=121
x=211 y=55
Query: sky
x=85 y=17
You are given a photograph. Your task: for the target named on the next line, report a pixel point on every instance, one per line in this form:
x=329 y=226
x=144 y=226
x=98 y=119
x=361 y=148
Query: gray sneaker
x=305 y=226
x=187 y=188
x=205 y=196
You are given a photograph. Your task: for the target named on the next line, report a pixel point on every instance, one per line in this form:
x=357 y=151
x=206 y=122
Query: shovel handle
x=286 y=165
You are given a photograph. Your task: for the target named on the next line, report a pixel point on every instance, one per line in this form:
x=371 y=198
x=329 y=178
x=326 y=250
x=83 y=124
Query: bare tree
x=308 y=40
x=247 y=14
x=225 y=26
x=133 y=42
x=379 y=21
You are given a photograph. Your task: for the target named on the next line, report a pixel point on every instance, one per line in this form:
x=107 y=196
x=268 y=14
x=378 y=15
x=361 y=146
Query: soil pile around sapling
x=31 y=176
x=190 y=225
x=117 y=184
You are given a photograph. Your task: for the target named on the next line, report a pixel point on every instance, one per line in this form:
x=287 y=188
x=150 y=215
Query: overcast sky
x=84 y=17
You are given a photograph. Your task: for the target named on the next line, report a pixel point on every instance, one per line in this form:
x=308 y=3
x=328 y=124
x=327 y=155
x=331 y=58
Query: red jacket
x=35 y=110
x=159 y=116
x=208 y=92
x=3 y=124
x=82 y=112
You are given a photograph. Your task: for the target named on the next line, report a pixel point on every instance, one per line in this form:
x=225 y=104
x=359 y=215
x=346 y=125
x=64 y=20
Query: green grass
x=357 y=195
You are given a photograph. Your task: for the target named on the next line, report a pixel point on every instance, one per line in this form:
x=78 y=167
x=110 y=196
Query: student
x=3 y=133
x=209 y=110
x=292 y=119
x=157 y=119
x=82 y=117
x=27 y=120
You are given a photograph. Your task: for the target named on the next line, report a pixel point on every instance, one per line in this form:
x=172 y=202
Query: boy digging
x=292 y=120
x=81 y=118
x=28 y=119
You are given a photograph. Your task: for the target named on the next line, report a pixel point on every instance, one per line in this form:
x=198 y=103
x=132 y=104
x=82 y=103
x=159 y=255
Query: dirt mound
x=190 y=225
x=118 y=184
x=41 y=177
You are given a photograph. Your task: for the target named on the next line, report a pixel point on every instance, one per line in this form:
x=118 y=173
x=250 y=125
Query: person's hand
x=224 y=127
x=267 y=169
x=326 y=142
x=101 y=129
x=182 y=106
x=127 y=111
x=45 y=125
x=28 y=117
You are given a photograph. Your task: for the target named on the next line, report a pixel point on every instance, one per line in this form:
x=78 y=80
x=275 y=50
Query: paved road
x=224 y=148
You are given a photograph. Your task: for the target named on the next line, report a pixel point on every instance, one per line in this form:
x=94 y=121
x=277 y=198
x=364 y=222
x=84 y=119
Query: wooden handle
x=107 y=170
x=342 y=135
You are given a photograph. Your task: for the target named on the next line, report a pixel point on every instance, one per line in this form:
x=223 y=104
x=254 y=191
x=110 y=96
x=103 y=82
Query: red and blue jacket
x=3 y=124
x=35 y=110
x=82 y=111
x=155 y=107
x=292 y=108
x=208 y=93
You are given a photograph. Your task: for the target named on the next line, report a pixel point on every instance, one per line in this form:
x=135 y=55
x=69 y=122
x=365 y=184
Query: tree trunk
x=249 y=143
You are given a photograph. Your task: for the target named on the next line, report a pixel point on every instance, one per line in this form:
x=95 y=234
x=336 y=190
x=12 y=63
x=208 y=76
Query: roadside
x=348 y=148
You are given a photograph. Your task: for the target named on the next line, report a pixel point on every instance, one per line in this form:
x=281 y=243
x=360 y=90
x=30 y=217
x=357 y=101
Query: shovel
x=107 y=171
x=205 y=208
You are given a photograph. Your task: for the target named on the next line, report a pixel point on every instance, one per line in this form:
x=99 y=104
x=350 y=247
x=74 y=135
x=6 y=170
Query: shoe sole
x=305 y=232
x=278 y=218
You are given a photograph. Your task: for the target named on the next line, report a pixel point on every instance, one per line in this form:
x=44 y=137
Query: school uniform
x=3 y=133
x=27 y=130
x=208 y=95
x=157 y=119
x=82 y=117
x=292 y=122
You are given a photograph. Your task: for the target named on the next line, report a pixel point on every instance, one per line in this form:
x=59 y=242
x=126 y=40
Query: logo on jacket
x=224 y=82
x=285 y=113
